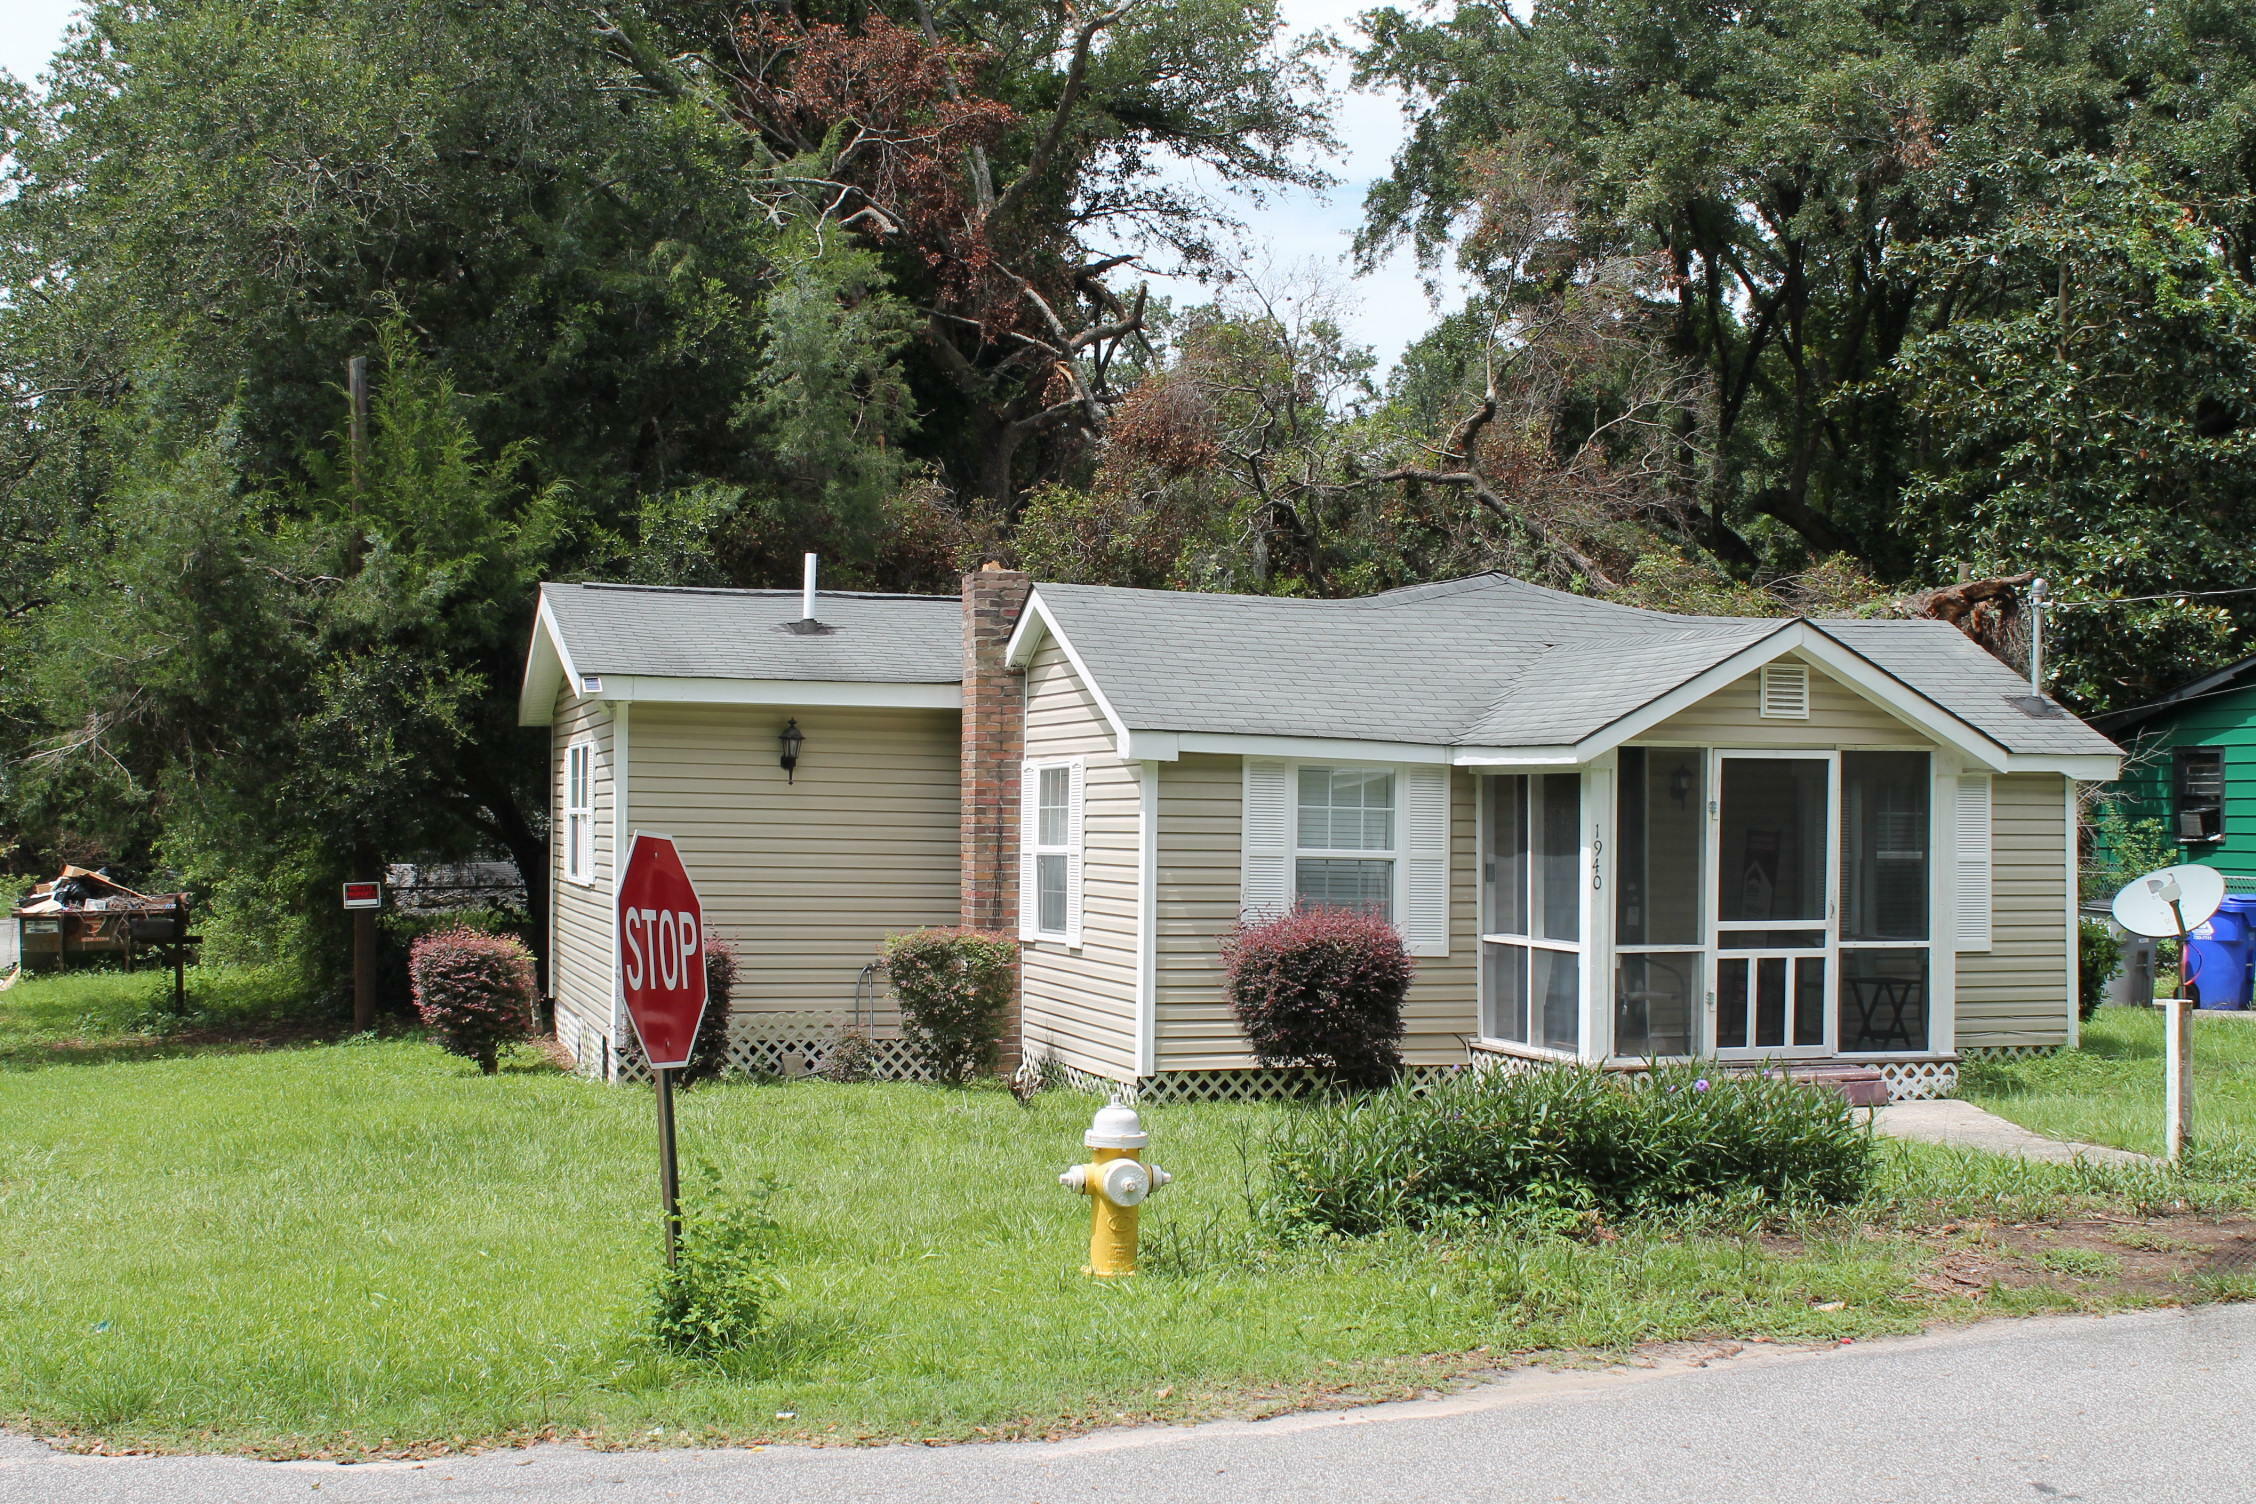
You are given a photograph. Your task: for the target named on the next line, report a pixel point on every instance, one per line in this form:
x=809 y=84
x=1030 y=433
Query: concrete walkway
x=1962 y=1125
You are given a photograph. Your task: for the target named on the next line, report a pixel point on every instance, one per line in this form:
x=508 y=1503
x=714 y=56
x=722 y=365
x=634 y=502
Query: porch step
x=1862 y=1085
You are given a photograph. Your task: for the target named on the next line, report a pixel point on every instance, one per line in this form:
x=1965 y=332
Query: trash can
x=2132 y=985
x=2220 y=952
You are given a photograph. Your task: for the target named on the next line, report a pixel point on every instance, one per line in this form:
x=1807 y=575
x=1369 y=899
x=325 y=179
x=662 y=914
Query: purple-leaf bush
x=1322 y=989
x=473 y=991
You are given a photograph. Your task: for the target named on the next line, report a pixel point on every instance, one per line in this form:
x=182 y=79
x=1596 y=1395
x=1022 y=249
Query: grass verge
x=2109 y=1091
x=365 y=1248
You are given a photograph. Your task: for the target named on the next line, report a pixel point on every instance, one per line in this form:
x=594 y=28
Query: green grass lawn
x=338 y=1248
x=2110 y=1090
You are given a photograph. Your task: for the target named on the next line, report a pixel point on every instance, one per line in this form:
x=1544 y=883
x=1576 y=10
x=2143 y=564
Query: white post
x=2177 y=1085
x=2177 y=1045
x=807 y=592
x=2037 y=593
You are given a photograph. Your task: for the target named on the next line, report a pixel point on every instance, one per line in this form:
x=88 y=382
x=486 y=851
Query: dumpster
x=2219 y=954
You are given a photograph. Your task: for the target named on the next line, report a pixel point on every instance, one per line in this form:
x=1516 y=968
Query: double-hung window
x=579 y=812
x=1344 y=845
x=1050 y=838
x=1372 y=836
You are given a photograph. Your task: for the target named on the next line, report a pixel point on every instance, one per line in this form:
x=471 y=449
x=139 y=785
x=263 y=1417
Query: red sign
x=661 y=950
x=364 y=895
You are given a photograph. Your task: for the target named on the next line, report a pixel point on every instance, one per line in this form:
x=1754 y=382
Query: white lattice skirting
x=2008 y=1051
x=790 y=1044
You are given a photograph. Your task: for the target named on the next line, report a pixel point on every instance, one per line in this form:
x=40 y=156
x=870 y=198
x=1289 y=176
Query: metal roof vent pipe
x=806 y=625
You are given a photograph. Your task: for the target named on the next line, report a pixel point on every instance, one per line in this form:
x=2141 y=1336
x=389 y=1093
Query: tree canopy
x=1810 y=306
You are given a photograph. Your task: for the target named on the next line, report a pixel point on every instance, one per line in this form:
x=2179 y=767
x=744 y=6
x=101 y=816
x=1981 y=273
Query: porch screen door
x=1775 y=942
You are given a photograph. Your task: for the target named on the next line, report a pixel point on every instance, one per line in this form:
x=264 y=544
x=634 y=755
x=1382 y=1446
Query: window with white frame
x=579 y=812
x=1531 y=910
x=1050 y=842
x=1345 y=842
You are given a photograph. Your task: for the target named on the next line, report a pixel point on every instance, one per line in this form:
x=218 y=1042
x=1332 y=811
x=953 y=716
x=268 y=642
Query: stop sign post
x=661 y=971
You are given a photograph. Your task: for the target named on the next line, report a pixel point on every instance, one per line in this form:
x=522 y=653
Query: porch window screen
x=579 y=812
x=1657 y=900
x=1885 y=820
x=2200 y=793
x=1531 y=941
x=1050 y=843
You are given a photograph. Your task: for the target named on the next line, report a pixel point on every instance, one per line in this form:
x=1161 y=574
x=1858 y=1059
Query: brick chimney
x=994 y=739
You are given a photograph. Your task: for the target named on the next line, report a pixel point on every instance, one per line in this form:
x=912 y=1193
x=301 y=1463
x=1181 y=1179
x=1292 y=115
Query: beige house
x=1607 y=834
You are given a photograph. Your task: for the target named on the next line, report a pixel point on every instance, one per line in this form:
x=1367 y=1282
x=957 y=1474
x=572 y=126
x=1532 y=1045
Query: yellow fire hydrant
x=1116 y=1181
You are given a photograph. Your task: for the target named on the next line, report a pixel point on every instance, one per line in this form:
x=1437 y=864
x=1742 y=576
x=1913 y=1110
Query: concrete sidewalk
x=1962 y=1125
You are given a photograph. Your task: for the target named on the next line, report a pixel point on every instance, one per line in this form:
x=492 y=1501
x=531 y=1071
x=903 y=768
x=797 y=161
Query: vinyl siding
x=580 y=941
x=806 y=877
x=2017 y=992
x=1839 y=717
x=1078 y=1005
x=1200 y=822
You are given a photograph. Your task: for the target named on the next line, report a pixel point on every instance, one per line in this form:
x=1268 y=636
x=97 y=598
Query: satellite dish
x=2172 y=900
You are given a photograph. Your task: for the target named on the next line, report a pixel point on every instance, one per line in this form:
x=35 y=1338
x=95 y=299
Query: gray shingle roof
x=668 y=632
x=1488 y=661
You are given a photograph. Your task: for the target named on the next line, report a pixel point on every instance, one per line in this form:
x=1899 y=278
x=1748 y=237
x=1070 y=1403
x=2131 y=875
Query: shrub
x=1483 y=1145
x=1322 y=989
x=954 y=987
x=716 y=1294
x=473 y=991
x=708 y=1055
x=2099 y=955
x=708 y=1052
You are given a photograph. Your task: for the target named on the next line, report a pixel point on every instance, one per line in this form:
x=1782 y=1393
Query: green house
x=2191 y=764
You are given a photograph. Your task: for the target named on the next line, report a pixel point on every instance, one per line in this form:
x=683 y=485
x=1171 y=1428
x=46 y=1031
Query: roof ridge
x=743 y=591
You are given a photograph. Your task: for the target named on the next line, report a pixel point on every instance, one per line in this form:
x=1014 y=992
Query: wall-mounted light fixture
x=1680 y=784
x=791 y=738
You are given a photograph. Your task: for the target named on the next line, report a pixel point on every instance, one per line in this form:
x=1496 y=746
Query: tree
x=2088 y=414
x=999 y=159
x=268 y=685
x=1780 y=160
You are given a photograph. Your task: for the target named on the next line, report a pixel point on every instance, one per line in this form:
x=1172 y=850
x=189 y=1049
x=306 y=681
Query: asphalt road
x=2145 y=1409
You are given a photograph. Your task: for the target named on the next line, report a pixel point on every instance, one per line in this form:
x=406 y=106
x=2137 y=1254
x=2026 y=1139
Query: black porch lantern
x=1681 y=784
x=791 y=737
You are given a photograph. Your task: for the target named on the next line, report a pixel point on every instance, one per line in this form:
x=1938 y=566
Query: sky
x=1296 y=230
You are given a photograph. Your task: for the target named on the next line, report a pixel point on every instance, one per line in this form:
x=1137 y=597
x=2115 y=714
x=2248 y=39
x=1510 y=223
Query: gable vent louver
x=1785 y=692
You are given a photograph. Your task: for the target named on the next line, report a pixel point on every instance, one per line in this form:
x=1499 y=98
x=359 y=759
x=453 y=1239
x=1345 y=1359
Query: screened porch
x=1684 y=901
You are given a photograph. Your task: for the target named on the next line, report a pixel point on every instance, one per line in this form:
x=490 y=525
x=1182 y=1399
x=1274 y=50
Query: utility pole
x=364 y=854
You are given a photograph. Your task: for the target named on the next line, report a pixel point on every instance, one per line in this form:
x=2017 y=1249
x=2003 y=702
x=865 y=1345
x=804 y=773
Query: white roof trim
x=1855 y=672
x=847 y=692
x=1033 y=622
x=2087 y=767
x=1331 y=748
x=548 y=663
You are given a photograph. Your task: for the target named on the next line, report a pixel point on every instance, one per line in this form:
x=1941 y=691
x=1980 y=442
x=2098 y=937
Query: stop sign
x=661 y=950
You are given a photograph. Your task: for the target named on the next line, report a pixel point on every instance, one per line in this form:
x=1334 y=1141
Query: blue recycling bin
x=2222 y=951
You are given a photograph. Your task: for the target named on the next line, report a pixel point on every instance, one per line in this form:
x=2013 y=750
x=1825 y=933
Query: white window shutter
x=1264 y=875
x=1073 y=866
x=1973 y=854
x=1029 y=826
x=1425 y=926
